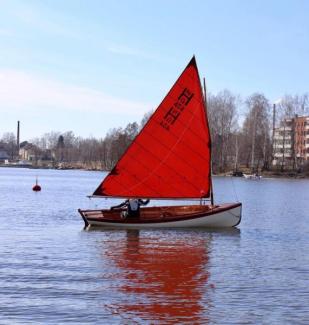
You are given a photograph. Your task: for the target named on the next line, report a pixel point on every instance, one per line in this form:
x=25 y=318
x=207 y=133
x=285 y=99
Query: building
x=3 y=156
x=28 y=151
x=291 y=143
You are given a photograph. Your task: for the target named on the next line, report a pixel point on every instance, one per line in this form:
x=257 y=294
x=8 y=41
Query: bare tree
x=291 y=105
x=10 y=144
x=145 y=118
x=256 y=129
x=222 y=114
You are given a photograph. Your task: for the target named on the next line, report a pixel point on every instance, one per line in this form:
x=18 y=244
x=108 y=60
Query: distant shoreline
x=273 y=174
x=264 y=174
x=52 y=168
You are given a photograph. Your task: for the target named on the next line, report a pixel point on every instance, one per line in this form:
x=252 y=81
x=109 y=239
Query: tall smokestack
x=18 y=126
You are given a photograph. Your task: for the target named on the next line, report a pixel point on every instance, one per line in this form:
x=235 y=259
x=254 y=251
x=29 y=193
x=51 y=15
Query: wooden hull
x=224 y=215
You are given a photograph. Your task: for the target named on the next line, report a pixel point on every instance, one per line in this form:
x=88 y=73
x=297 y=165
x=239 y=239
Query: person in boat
x=133 y=207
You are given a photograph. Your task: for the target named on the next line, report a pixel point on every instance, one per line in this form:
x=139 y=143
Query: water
x=54 y=272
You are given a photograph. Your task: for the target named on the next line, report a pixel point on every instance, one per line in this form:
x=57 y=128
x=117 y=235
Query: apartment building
x=291 y=142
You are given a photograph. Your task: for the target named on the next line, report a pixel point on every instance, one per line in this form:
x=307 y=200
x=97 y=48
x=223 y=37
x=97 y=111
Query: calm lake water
x=54 y=272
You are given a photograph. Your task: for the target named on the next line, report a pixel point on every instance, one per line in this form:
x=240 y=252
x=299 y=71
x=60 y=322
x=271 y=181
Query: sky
x=90 y=66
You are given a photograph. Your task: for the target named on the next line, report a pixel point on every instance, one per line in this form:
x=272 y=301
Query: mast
x=211 y=188
x=274 y=124
x=253 y=141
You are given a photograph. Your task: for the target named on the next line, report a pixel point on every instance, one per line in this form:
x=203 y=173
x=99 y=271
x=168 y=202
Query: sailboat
x=170 y=159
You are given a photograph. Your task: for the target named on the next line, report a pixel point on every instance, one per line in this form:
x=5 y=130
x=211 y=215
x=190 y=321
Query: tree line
x=241 y=131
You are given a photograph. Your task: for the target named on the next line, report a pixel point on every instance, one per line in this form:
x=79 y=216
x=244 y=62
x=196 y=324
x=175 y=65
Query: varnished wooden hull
x=224 y=215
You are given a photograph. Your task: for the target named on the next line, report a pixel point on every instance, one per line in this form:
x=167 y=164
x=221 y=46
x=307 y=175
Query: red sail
x=170 y=157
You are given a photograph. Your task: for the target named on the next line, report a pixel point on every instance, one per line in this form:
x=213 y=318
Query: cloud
x=24 y=91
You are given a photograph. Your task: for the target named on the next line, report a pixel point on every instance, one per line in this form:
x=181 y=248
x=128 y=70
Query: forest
x=241 y=132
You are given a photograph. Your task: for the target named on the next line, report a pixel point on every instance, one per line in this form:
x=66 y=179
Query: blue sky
x=89 y=66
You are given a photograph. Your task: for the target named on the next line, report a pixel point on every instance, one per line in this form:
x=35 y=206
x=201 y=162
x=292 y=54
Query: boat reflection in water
x=160 y=277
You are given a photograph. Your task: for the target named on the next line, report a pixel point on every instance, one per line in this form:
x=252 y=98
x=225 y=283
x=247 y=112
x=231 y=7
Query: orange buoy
x=36 y=187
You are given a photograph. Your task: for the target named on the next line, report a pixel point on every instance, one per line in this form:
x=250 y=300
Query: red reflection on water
x=162 y=279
